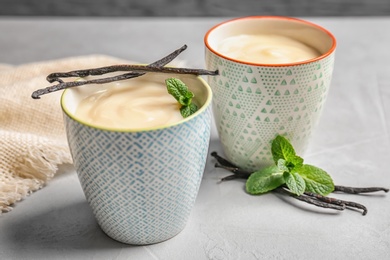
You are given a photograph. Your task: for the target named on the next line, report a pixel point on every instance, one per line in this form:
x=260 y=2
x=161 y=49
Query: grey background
x=194 y=8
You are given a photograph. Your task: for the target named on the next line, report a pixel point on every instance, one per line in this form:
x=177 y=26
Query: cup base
x=142 y=243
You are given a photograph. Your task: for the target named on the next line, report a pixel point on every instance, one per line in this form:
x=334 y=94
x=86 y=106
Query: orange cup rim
x=329 y=52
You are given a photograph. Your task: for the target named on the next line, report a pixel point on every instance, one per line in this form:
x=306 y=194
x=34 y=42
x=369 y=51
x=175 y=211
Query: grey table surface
x=352 y=143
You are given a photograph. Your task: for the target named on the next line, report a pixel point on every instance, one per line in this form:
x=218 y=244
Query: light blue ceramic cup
x=141 y=184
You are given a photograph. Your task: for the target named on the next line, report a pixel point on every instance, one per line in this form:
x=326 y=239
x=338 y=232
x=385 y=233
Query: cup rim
x=149 y=129
x=329 y=52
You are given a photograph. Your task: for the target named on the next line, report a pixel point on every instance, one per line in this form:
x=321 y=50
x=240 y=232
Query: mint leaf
x=294 y=182
x=317 y=180
x=296 y=161
x=282 y=165
x=282 y=149
x=186 y=99
x=180 y=92
x=264 y=180
x=186 y=111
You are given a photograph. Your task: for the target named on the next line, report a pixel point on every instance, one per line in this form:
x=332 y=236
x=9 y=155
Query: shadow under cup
x=141 y=184
x=254 y=102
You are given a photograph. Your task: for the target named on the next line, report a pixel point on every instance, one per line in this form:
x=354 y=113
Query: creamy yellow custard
x=266 y=49
x=134 y=104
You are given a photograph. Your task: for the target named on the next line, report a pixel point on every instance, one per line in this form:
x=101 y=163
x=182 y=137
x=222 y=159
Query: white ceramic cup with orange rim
x=254 y=101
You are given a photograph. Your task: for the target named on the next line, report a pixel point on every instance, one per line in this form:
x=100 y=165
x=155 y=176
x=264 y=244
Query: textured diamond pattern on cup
x=141 y=186
x=252 y=104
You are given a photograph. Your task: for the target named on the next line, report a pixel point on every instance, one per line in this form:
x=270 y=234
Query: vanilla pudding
x=266 y=49
x=133 y=104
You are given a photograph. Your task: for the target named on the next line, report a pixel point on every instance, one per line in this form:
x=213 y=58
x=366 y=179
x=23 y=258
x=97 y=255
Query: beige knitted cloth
x=32 y=136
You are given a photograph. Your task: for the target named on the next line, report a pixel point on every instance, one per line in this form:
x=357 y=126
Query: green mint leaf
x=189 y=95
x=264 y=180
x=296 y=161
x=316 y=180
x=186 y=99
x=282 y=149
x=179 y=91
x=186 y=111
x=294 y=182
x=282 y=166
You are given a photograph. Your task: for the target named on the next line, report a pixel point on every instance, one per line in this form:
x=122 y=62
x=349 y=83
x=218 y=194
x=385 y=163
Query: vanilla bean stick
x=311 y=200
x=167 y=59
x=223 y=161
x=36 y=94
x=63 y=85
x=353 y=204
x=356 y=190
x=335 y=201
x=324 y=199
x=133 y=71
x=161 y=62
x=238 y=173
x=225 y=164
x=129 y=68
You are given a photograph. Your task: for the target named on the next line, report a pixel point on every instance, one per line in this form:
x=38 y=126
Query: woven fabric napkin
x=32 y=136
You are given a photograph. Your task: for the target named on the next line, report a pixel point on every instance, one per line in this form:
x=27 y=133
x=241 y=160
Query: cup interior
x=71 y=97
x=300 y=30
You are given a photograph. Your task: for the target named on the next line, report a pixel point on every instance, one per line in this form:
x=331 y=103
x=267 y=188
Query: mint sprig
x=289 y=170
x=180 y=92
x=265 y=180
